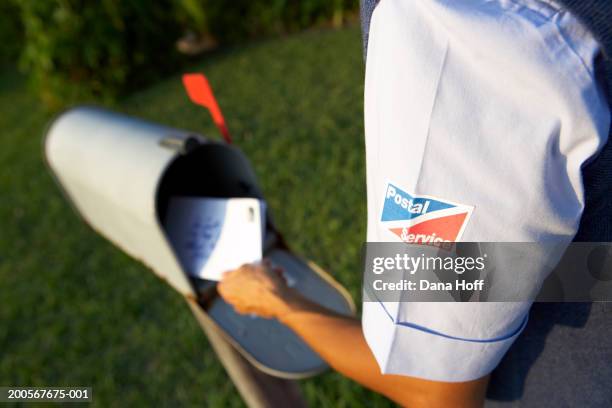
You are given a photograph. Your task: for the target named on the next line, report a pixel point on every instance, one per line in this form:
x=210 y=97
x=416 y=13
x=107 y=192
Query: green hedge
x=78 y=50
x=11 y=33
x=232 y=21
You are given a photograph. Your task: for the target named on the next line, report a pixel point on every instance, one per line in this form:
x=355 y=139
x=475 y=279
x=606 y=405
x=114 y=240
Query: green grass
x=74 y=310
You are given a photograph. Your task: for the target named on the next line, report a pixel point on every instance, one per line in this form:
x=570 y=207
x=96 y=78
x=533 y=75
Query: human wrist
x=288 y=302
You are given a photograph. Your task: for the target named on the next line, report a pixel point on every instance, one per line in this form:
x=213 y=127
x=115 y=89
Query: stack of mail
x=213 y=235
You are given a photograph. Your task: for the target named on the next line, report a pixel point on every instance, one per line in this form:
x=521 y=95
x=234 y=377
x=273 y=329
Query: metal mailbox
x=120 y=172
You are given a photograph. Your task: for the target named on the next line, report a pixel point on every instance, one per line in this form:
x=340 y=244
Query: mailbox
x=120 y=173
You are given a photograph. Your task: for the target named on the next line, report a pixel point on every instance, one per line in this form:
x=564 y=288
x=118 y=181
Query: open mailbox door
x=120 y=173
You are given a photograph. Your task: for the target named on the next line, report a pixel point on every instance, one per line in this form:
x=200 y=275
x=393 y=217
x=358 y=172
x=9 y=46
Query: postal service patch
x=423 y=219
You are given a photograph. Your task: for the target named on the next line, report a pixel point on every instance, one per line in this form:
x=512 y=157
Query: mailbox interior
x=222 y=171
x=209 y=170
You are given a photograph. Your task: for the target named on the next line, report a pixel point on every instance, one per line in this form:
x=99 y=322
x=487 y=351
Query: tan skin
x=261 y=289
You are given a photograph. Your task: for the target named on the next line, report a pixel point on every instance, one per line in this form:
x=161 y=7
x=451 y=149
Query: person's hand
x=256 y=288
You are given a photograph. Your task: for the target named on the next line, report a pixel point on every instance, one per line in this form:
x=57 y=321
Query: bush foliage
x=11 y=33
x=231 y=21
x=76 y=50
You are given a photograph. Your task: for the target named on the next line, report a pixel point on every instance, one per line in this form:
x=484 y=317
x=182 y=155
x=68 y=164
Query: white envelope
x=213 y=235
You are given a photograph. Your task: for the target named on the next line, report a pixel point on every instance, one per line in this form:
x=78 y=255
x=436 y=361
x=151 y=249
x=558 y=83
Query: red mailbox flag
x=200 y=93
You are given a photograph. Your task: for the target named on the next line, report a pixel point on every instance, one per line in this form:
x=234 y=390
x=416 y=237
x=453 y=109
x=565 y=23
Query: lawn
x=76 y=311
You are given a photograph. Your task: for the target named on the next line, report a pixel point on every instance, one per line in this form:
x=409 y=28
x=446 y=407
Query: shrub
x=83 y=50
x=232 y=21
x=78 y=49
x=11 y=34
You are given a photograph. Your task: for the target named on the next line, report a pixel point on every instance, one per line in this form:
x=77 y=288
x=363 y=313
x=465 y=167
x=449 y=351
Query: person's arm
x=338 y=340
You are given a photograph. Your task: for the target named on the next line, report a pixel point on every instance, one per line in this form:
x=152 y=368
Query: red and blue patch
x=423 y=219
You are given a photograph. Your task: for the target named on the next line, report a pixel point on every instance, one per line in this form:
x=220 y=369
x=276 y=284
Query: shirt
x=492 y=105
